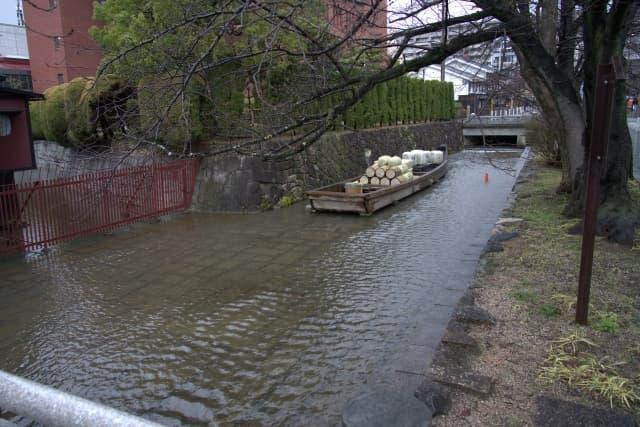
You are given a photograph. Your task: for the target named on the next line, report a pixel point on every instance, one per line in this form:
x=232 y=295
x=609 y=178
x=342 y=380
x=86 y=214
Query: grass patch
x=524 y=297
x=548 y=310
x=568 y=361
x=605 y=322
x=542 y=269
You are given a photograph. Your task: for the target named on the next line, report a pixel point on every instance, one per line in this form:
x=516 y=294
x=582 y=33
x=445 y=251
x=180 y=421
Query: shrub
x=68 y=113
x=403 y=100
x=55 y=121
x=36 y=113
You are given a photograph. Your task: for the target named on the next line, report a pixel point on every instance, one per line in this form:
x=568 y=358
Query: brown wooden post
x=603 y=103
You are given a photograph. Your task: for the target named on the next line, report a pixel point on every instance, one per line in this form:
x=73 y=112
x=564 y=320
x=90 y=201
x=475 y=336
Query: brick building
x=62 y=49
x=60 y=46
x=344 y=15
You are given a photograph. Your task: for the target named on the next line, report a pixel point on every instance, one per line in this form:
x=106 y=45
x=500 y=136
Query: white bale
x=424 y=157
x=428 y=158
x=383 y=160
x=394 y=161
x=407 y=162
x=437 y=156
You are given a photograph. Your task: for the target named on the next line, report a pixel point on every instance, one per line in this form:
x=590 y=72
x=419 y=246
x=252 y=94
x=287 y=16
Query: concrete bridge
x=507 y=129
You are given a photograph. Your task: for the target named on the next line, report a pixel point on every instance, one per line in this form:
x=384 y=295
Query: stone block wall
x=242 y=184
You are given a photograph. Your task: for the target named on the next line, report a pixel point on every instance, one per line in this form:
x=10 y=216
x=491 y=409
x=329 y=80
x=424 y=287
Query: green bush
x=404 y=100
x=55 y=121
x=80 y=129
x=67 y=113
x=36 y=112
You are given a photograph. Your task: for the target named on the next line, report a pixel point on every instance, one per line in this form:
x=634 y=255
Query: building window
x=5 y=124
x=56 y=42
x=53 y=4
x=60 y=79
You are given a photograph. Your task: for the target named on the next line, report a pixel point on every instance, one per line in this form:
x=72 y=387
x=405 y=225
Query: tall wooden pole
x=602 y=110
x=445 y=15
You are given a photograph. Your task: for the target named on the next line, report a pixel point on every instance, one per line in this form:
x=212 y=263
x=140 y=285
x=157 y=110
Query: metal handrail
x=55 y=408
x=505 y=118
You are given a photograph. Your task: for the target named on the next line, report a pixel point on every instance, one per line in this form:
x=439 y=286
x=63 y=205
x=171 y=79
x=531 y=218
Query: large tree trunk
x=565 y=116
x=604 y=37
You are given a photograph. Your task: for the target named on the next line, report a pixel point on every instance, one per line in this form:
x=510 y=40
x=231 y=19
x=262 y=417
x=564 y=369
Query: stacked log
x=387 y=170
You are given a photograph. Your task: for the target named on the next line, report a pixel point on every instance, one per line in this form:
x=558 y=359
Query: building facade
x=343 y=16
x=15 y=71
x=485 y=76
x=60 y=46
x=62 y=49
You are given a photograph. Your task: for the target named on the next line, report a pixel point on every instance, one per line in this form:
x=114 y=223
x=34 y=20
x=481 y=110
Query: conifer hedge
x=404 y=100
x=67 y=115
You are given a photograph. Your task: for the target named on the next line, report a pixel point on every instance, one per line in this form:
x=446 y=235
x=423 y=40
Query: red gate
x=38 y=214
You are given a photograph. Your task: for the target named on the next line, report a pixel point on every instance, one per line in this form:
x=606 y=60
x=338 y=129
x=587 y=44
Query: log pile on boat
x=394 y=170
x=386 y=181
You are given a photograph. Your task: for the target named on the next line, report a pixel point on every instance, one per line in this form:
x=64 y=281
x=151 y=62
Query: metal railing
x=34 y=215
x=498 y=120
x=55 y=408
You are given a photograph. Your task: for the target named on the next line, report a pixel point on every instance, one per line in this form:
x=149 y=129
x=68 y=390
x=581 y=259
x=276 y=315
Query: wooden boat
x=334 y=198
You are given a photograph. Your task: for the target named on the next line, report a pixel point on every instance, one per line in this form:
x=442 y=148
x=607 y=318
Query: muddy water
x=253 y=319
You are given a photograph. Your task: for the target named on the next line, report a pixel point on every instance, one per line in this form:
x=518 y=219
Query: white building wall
x=13 y=41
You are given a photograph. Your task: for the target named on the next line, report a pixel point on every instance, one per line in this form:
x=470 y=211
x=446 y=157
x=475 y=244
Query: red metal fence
x=38 y=214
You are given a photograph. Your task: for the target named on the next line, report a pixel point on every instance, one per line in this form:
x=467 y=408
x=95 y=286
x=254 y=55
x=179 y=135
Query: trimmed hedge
x=65 y=114
x=68 y=113
x=404 y=100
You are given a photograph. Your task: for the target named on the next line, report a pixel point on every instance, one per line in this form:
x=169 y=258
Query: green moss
x=265 y=204
x=286 y=201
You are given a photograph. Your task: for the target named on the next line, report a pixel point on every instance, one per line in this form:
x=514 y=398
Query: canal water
x=268 y=319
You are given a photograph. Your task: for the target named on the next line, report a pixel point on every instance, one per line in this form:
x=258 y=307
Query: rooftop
x=13 y=41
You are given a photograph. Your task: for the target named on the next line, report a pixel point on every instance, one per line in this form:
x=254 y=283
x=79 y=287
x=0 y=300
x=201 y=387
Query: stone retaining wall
x=243 y=183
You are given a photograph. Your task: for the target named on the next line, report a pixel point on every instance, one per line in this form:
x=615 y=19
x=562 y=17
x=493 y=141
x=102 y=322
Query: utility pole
x=445 y=16
x=19 y=13
x=596 y=167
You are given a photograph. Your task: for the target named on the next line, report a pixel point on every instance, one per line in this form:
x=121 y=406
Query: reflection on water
x=260 y=319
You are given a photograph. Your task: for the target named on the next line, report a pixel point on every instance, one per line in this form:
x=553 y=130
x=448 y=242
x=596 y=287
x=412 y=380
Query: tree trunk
x=604 y=39
x=565 y=116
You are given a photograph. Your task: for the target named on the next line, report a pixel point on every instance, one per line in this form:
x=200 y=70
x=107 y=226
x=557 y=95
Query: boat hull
x=332 y=198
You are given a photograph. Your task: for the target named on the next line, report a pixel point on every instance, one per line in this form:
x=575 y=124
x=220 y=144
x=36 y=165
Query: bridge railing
x=53 y=407
x=498 y=120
